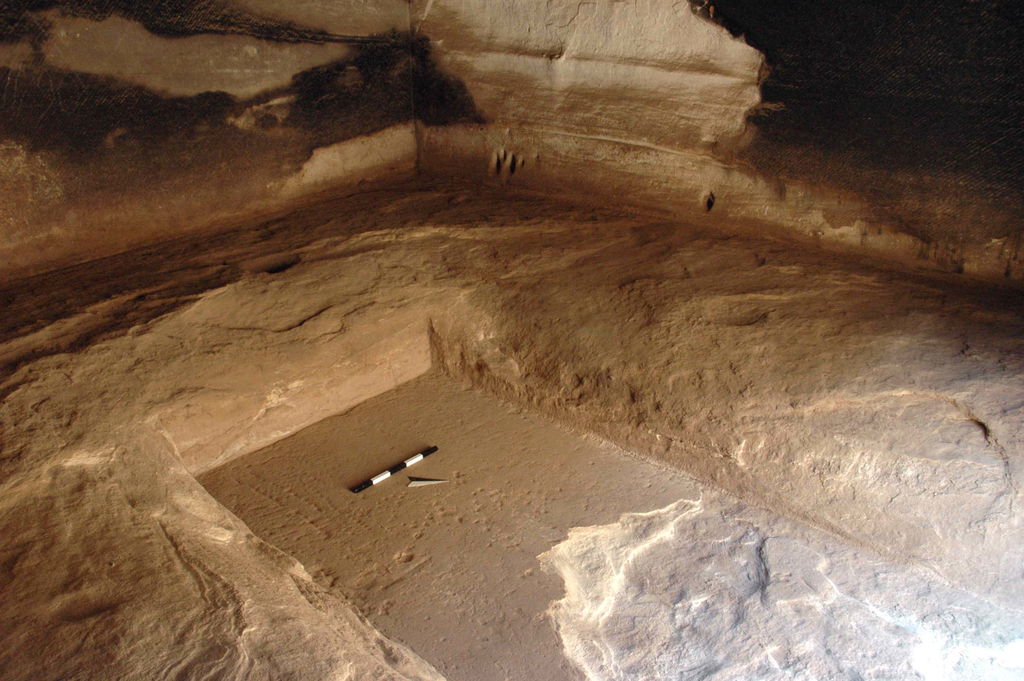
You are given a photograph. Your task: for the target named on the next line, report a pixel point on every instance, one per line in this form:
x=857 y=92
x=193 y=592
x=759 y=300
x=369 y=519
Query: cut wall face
x=652 y=72
x=892 y=131
x=126 y=123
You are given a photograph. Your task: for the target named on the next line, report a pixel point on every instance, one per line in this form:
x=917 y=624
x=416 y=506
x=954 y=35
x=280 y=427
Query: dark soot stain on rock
x=378 y=82
x=80 y=114
x=930 y=87
x=171 y=18
x=440 y=99
x=76 y=113
x=16 y=23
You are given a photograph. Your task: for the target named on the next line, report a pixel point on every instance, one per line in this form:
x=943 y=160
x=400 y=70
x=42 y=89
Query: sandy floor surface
x=451 y=570
x=552 y=556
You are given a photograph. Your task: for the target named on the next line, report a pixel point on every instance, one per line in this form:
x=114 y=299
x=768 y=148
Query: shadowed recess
x=910 y=103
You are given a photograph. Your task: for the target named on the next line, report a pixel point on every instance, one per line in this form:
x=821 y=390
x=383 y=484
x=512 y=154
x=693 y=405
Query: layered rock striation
x=655 y=104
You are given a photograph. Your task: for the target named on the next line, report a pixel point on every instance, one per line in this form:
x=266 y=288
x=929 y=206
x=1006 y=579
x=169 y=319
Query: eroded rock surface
x=707 y=588
x=885 y=407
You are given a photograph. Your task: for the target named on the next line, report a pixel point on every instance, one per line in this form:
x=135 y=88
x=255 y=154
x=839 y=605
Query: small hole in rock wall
x=281 y=265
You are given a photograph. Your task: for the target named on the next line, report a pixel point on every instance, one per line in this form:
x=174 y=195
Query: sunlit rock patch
x=707 y=588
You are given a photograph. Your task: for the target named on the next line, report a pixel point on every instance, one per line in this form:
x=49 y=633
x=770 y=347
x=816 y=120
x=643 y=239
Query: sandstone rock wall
x=123 y=124
x=126 y=123
x=647 y=103
x=915 y=107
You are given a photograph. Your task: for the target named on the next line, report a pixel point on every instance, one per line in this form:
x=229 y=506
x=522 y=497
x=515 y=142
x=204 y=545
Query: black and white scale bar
x=377 y=479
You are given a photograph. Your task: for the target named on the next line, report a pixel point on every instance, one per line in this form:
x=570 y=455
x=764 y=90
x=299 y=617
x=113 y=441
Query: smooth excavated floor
x=451 y=570
x=671 y=580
